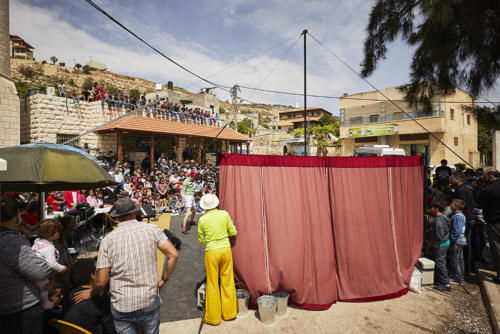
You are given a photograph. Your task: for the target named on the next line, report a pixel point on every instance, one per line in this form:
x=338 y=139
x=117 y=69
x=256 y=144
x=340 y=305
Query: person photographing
x=215 y=228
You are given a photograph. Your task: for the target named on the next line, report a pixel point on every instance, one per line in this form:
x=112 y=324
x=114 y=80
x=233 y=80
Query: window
x=373 y=118
x=452 y=114
x=342 y=115
x=61 y=138
x=468 y=119
x=356 y=120
x=456 y=141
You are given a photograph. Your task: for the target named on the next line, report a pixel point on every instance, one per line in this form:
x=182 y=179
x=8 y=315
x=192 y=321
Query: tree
x=487 y=124
x=456 y=42
x=246 y=126
x=327 y=119
x=221 y=110
x=53 y=59
x=86 y=69
x=78 y=66
x=62 y=64
x=134 y=94
x=88 y=84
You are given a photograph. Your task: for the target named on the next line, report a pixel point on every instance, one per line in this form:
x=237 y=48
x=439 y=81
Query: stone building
x=368 y=119
x=20 y=49
x=294 y=118
x=9 y=100
x=56 y=119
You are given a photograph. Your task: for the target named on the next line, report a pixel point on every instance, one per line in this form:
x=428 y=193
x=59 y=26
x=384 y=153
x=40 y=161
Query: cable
x=371 y=85
x=90 y=2
x=243 y=61
x=276 y=65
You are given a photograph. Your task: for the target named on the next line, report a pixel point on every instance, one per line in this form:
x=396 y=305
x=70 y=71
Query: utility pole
x=304 y=33
x=234 y=95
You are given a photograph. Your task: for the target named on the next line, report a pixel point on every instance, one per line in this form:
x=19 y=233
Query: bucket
x=242 y=296
x=282 y=302
x=267 y=308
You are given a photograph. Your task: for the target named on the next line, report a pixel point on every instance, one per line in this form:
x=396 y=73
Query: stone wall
x=45 y=117
x=269 y=144
x=9 y=114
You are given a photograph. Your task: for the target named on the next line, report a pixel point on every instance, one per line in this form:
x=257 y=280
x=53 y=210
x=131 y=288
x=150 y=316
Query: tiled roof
x=163 y=126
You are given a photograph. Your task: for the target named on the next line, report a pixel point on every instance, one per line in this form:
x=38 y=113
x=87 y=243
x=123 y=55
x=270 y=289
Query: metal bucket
x=267 y=308
x=242 y=296
x=282 y=301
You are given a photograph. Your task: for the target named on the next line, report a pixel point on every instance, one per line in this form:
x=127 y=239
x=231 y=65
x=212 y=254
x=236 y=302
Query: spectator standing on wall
x=489 y=200
x=61 y=88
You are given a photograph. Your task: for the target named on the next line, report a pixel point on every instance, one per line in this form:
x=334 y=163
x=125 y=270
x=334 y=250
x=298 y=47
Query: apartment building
x=368 y=118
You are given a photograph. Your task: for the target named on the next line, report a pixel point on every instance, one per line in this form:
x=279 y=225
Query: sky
x=252 y=43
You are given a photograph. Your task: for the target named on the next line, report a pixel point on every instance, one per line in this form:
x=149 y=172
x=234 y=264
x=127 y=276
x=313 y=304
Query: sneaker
x=454 y=281
x=193 y=222
x=184 y=230
x=442 y=287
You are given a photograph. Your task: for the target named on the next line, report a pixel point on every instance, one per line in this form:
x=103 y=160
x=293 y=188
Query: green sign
x=375 y=130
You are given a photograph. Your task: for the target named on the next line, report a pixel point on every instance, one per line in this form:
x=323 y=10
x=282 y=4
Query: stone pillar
x=496 y=149
x=181 y=145
x=119 y=136
x=152 y=151
x=227 y=146
x=10 y=107
x=200 y=141
x=4 y=39
x=248 y=147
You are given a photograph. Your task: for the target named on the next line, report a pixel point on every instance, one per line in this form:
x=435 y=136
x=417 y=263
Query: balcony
x=399 y=116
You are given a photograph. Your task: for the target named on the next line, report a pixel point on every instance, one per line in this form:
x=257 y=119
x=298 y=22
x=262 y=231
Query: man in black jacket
x=489 y=200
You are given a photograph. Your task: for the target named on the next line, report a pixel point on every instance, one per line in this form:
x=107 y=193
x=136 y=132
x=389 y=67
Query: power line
x=243 y=61
x=397 y=106
x=90 y=2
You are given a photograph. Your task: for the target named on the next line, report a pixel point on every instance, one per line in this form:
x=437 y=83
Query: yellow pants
x=220 y=261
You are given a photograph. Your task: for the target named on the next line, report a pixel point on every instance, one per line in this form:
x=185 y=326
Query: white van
x=378 y=151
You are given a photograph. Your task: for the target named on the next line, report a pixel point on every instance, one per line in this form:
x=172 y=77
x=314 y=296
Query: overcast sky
x=208 y=36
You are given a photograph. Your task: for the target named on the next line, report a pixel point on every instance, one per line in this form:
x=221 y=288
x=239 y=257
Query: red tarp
x=324 y=228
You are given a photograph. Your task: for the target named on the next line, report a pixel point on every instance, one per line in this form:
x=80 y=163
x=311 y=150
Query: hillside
x=27 y=73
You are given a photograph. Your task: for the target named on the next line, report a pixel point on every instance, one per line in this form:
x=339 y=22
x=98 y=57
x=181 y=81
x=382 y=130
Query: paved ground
x=179 y=302
x=491 y=297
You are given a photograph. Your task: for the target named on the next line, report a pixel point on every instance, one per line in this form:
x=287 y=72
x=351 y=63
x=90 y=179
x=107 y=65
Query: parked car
x=378 y=151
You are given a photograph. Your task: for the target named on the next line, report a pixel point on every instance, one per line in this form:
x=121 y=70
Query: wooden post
x=227 y=146
x=119 y=136
x=248 y=148
x=199 y=149
x=152 y=151
x=177 y=149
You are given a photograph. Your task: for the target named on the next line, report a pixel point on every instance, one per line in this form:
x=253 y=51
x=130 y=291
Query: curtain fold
x=324 y=228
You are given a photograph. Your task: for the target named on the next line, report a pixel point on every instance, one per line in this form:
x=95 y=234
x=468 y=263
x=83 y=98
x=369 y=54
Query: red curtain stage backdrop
x=324 y=228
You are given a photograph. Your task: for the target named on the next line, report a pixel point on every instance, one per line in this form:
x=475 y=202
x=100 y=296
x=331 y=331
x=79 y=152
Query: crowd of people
x=157 y=108
x=464 y=223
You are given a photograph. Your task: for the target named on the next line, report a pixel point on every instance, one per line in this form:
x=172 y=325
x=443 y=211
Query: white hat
x=209 y=201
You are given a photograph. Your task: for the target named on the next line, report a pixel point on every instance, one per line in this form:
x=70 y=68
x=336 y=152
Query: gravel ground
x=467 y=314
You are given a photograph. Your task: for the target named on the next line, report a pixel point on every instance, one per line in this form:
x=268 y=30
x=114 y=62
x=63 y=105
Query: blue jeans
x=457 y=262
x=440 y=271
x=148 y=319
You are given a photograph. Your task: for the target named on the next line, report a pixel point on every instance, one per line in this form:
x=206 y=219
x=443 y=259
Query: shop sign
x=375 y=130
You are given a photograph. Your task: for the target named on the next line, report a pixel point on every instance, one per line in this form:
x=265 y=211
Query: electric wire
x=392 y=102
x=243 y=61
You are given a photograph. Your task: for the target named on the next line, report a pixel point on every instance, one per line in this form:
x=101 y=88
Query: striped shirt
x=130 y=251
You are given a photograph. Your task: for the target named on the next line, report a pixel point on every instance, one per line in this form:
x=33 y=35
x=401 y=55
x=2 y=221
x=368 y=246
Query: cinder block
x=426 y=267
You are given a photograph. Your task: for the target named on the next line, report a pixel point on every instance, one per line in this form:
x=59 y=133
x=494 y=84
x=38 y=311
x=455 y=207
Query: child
x=159 y=207
x=458 y=241
x=48 y=231
x=180 y=204
x=55 y=296
x=439 y=235
x=173 y=205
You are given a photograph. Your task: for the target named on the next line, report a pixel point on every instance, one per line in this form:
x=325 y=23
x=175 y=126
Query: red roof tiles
x=162 y=126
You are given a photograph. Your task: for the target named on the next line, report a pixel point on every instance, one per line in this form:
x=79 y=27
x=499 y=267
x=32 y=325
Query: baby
x=48 y=231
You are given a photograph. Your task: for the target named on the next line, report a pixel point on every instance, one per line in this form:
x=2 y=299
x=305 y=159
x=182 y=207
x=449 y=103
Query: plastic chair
x=65 y=327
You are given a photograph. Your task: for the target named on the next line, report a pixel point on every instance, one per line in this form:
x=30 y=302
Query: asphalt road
x=178 y=295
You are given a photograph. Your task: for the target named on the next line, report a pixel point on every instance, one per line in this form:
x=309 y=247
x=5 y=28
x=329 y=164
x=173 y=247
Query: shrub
x=134 y=94
x=44 y=62
x=62 y=64
x=71 y=82
x=86 y=69
x=27 y=71
x=88 y=84
x=78 y=66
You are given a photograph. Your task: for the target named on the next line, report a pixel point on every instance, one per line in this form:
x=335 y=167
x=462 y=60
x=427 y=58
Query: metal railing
x=392 y=117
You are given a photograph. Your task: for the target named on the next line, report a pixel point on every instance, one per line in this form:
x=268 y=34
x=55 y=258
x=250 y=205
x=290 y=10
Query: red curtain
x=324 y=229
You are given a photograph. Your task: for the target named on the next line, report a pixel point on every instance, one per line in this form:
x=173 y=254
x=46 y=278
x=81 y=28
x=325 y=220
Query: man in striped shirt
x=127 y=258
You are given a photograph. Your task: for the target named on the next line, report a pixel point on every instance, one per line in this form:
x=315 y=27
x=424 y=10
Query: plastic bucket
x=282 y=301
x=242 y=296
x=267 y=308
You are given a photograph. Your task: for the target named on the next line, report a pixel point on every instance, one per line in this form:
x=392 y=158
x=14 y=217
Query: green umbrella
x=47 y=167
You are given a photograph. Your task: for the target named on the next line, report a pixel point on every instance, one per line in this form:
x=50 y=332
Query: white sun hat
x=209 y=201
